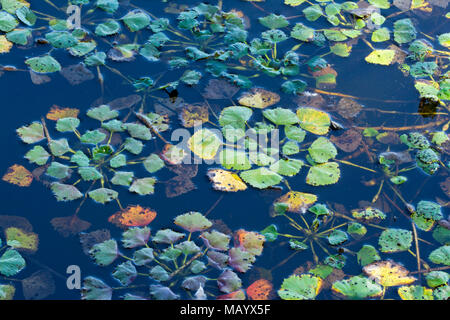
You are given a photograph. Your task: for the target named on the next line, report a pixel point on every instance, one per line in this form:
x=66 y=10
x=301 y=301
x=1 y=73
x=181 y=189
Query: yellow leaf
x=194 y=115
x=204 y=143
x=20 y=239
x=388 y=273
x=5 y=45
x=315 y=121
x=226 y=181
x=298 y=201
x=259 y=98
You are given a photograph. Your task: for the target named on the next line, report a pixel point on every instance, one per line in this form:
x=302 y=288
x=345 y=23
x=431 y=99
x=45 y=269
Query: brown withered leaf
x=311 y=99
x=88 y=239
x=38 y=286
x=168 y=106
x=186 y=170
x=219 y=89
x=179 y=185
x=68 y=226
x=348 y=141
x=348 y=108
x=125 y=102
x=15 y=221
x=445 y=186
x=77 y=74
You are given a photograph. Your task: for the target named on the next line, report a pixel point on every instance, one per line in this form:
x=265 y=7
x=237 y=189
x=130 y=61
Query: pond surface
x=355 y=94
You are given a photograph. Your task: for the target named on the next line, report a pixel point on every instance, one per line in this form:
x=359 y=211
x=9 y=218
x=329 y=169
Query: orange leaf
x=236 y=295
x=133 y=216
x=260 y=290
x=18 y=175
x=57 y=113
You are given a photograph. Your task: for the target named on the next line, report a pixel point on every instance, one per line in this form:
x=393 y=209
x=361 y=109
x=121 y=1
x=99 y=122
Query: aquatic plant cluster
x=258 y=140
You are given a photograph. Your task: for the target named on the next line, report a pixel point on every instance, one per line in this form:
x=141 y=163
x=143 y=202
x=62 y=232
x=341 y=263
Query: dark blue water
x=24 y=102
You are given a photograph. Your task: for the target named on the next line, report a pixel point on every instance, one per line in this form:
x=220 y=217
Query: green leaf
x=19 y=36
x=32 y=133
x=143 y=186
x=136 y=20
x=107 y=28
x=159 y=273
x=381 y=35
x=80 y=159
x=105 y=253
x=281 y=116
x=415 y=293
x=437 y=278
x=323 y=174
x=404 y=31
x=37 y=155
x=68 y=124
x=11 y=263
x=143 y=256
x=59 y=147
x=294 y=133
x=235 y=116
x=367 y=254
x=167 y=236
x=89 y=173
x=43 y=64
x=118 y=161
x=312 y=13
x=337 y=237
x=216 y=240
x=261 y=178
x=382 y=4
x=294 y=86
x=58 y=170
x=322 y=150
x=95 y=289
x=132 y=145
x=304 y=287
x=93 y=137
x=192 y=221
x=61 y=39
x=358 y=288
x=440 y=255
x=138 y=131
x=7 y=21
x=26 y=15
x=302 y=32
x=274 y=21
x=290 y=148
x=122 y=178
x=109 y=6
x=125 y=273
x=102 y=113
x=395 y=240
x=289 y=167
x=103 y=195
x=65 y=192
